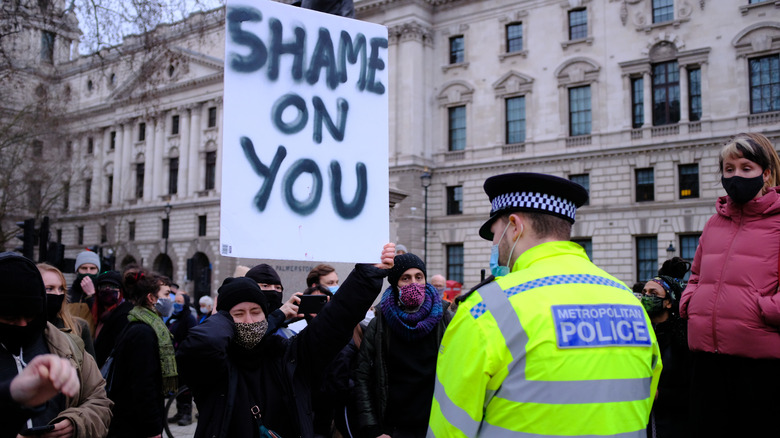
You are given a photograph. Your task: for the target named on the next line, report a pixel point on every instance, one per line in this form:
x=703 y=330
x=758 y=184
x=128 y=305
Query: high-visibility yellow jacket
x=556 y=348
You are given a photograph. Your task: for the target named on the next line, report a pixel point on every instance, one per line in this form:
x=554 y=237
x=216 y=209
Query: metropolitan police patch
x=600 y=325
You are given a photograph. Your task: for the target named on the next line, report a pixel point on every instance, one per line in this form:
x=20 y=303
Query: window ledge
x=210 y=128
x=579 y=140
x=140 y=143
x=588 y=41
x=454 y=155
x=674 y=23
x=173 y=136
x=662 y=130
x=460 y=65
x=745 y=9
x=204 y=193
x=764 y=118
x=518 y=54
x=513 y=148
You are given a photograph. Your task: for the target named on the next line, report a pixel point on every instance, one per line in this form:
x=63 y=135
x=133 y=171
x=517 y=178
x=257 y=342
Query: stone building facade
x=631 y=98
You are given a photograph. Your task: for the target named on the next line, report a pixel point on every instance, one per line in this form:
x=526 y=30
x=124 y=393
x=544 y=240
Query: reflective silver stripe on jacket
x=454 y=414
x=488 y=430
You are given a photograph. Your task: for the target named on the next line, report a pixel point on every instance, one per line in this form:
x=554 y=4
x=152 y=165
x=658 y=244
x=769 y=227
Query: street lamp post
x=425 y=181
x=168 y=208
x=670 y=250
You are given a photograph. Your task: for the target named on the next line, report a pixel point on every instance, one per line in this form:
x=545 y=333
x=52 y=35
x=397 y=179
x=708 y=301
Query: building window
x=90 y=145
x=765 y=84
x=455 y=262
x=59 y=235
x=663 y=10
x=47 y=47
x=514 y=37
x=212 y=117
x=646 y=257
x=202 y=225
x=211 y=169
x=87 y=192
x=165 y=223
x=515 y=120
x=80 y=235
x=688 y=245
x=694 y=94
x=103 y=233
x=69 y=149
x=110 y=186
x=645 y=185
x=142 y=131
x=457 y=128
x=37 y=148
x=35 y=195
x=582 y=179
x=753 y=2
x=578 y=24
x=455 y=200
x=139 y=180
x=579 y=111
x=637 y=102
x=175 y=125
x=456 y=49
x=173 y=176
x=689 y=180
x=666 y=93
x=587 y=245
x=131 y=231
x=112 y=144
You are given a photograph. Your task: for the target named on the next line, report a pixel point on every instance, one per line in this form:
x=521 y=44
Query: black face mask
x=653 y=305
x=53 y=306
x=274 y=299
x=742 y=190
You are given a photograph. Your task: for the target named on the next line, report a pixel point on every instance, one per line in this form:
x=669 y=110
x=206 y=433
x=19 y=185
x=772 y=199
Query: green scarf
x=165 y=343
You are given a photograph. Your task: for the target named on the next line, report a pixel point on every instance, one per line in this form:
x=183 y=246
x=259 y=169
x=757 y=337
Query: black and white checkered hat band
x=535 y=201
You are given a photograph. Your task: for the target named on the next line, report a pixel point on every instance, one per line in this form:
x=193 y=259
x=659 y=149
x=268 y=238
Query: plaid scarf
x=164 y=342
x=412 y=325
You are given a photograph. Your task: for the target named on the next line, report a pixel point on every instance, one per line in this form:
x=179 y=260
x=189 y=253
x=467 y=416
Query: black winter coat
x=372 y=390
x=287 y=368
x=136 y=388
x=113 y=324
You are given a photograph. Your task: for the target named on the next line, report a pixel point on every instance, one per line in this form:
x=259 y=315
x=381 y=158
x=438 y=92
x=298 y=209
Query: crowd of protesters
x=99 y=359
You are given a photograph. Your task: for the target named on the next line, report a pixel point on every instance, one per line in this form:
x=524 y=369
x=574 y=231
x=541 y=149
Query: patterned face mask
x=249 y=334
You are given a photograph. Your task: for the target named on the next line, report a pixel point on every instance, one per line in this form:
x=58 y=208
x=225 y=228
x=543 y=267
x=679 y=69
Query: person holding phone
x=247 y=383
x=396 y=367
x=26 y=335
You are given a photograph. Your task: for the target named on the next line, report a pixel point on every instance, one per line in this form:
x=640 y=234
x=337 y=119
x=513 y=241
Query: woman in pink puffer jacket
x=732 y=302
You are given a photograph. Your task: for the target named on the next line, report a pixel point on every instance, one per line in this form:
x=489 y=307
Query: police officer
x=551 y=345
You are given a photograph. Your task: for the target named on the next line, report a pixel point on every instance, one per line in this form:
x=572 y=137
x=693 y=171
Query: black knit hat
x=22 y=290
x=402 y=263
x=237 y=290
x=264 y=273
x=113 y=278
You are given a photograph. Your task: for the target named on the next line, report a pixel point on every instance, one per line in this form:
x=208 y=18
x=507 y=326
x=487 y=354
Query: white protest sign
x=304 y=165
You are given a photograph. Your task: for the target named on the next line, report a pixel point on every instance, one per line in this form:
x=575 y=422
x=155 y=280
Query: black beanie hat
x=263 y=273
x=22 y=289
x=114 y=278
x=401 y=263
x=237 y=290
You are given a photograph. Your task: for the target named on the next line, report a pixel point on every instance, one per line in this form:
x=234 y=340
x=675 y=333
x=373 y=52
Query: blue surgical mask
x=333 y=289
x=178 y=307
x=496 y=269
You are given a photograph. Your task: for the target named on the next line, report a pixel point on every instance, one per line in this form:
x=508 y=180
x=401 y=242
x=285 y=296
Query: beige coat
x=90 y=410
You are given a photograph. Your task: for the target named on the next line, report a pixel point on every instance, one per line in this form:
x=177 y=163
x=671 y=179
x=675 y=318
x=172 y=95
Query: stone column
x=184 y=150
x=119 y=167
x=128 y=158
x=148 y=161
x=194 y=150
x=647 y=99
x=705 y=86
x=158 y=146
x=218 y=165
x=684 y=111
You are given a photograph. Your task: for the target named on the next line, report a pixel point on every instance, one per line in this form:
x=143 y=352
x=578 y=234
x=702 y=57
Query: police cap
x=531 y=192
